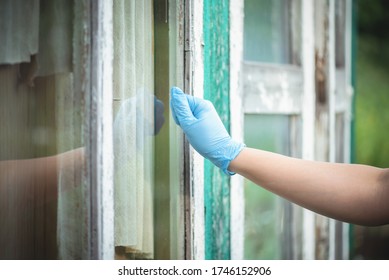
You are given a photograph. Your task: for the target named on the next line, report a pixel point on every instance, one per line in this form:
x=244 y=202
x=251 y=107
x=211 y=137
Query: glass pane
x=134 y=128
x=266 y=31
x=163 y=222
x=43 y=63
x=339 y=137
x=148 y=224
x=340 y=31
x=169 y=223
x=266 y=215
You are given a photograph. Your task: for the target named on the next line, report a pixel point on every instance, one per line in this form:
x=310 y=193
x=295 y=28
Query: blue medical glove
x=204 y=129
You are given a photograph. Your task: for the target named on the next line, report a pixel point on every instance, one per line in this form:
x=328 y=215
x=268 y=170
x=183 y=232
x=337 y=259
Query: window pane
x=339 y=137
x=134 y=100
x=262 y=223
x=169 y=225
x=266 y=31
x=340 y=31
x=147 y=199
x=42 y=96
x=271 y=223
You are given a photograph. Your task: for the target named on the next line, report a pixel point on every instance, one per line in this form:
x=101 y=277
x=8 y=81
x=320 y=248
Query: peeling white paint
x=100 y=164
x=197 y=203
x=308 y=114
x=236 y=125
x=269 y=88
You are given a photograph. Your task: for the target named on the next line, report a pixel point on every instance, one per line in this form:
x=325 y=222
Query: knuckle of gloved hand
x=208 y=104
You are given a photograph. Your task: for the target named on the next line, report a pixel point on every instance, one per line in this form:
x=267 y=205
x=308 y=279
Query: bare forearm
x=38 y=176
x=352 y=193
x=29 y=177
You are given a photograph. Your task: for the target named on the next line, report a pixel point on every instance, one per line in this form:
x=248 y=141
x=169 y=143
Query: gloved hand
x=204 y=129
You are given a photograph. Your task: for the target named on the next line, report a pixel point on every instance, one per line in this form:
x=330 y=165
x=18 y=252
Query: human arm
x=348 y=192
x=354 y=193
x=37 y=177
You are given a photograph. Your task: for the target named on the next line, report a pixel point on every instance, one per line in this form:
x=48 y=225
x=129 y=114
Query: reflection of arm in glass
x=38 y=176
x=349 y=192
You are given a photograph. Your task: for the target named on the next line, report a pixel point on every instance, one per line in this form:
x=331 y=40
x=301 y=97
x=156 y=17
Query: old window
x=296 y=101
x=148 y=155
x=272 y=105
x=90 y=162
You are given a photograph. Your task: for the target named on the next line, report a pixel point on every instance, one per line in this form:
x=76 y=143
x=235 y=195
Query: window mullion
x=99 y=125
x=236 y=112
x=308 y=115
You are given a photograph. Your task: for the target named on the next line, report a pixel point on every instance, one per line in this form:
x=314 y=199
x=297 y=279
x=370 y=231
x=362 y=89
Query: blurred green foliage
x=372 y=84
x=373 y=18
x=372 y=112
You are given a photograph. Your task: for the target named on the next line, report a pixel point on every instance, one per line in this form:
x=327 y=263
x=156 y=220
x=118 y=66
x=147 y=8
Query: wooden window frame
x=264 y=85
x=186 y=54
x=193 y=65
x=99 y=148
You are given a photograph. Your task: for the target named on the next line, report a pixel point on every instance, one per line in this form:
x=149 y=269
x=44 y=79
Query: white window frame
x=236 y=126
x=99 y=148
x=194 y=175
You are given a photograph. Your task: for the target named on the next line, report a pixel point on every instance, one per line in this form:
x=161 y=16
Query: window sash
x=284 y=89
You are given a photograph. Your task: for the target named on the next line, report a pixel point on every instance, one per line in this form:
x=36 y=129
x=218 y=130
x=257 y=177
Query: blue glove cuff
x=224 y=156
x=237 y=150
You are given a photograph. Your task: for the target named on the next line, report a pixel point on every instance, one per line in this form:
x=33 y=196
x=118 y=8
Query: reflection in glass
x=42 y=210
x=133 y=79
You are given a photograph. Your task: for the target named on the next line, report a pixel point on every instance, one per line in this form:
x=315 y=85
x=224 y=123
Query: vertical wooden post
x=216 y=89
x=99 y=124
x=308 y=114
x=236 y=112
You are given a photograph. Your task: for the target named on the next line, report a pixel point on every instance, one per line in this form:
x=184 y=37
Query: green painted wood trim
x=216 y=89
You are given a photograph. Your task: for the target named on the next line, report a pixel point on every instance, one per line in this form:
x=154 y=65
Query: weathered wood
x=269 y=88
x=216 y=89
